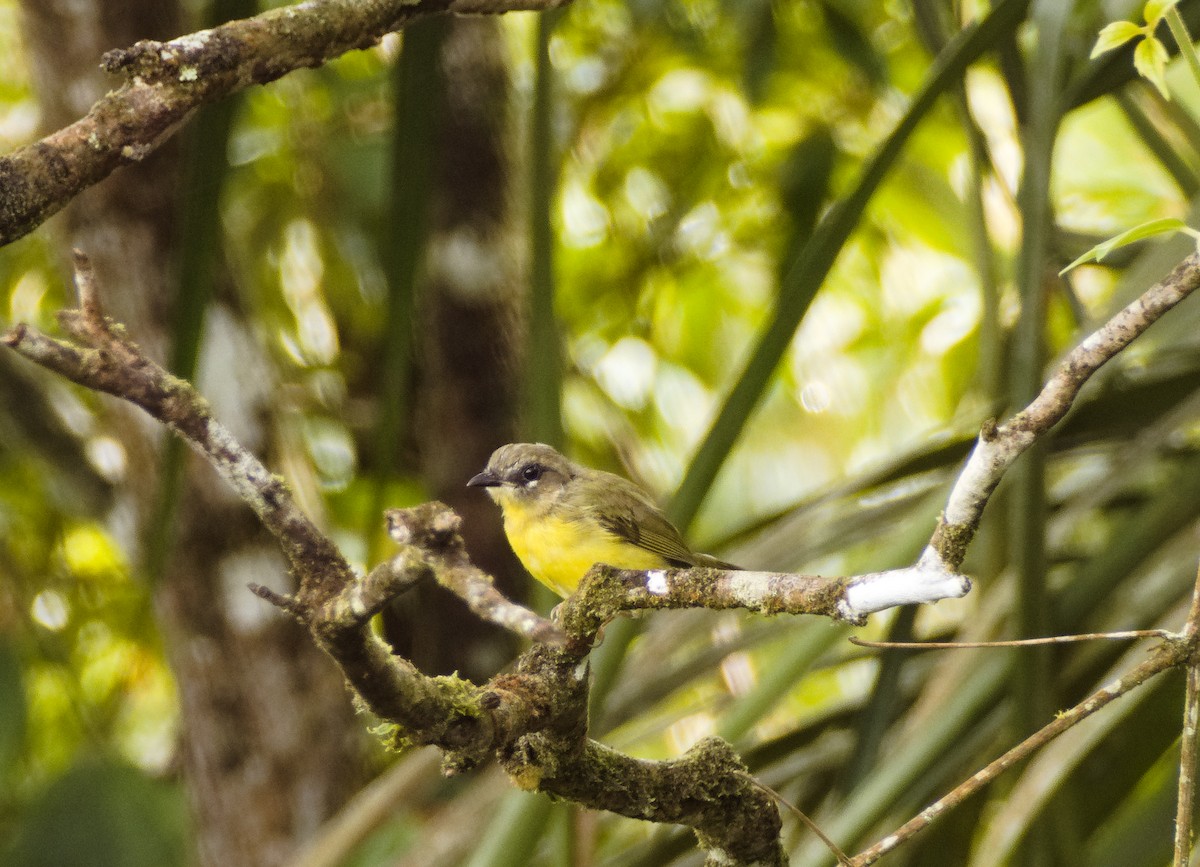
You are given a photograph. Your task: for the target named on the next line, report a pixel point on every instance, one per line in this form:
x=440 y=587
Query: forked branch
x=534 y=720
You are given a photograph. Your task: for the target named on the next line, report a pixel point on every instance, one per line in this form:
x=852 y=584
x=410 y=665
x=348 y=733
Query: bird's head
x=525 y=474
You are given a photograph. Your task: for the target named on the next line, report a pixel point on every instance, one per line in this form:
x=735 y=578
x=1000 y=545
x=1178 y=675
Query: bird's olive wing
x=666 y=545
x=632 y=516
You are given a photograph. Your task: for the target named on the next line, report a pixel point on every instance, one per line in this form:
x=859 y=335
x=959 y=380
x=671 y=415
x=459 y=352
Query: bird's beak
x=484 y=480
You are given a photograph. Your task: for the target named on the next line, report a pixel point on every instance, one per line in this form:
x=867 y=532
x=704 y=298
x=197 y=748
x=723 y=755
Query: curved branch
x=166 y=81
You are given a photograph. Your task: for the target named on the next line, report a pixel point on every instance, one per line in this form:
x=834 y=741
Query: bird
x=561 y=518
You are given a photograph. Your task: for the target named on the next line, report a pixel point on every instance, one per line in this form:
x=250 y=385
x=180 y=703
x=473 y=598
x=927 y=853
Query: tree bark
x=470 y=313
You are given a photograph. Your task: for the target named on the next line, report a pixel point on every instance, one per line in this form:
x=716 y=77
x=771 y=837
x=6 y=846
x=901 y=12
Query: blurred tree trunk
x=268 y=745
x=470 y=316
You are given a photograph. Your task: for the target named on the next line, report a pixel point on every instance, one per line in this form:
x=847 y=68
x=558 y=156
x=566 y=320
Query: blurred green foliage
x=697 y=146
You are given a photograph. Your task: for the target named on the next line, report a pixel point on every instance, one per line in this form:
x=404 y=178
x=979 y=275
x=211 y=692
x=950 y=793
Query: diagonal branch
x=1000 y=445
x=166 y=81
x=111 y=363
x=329 y=592
x=1167 y=655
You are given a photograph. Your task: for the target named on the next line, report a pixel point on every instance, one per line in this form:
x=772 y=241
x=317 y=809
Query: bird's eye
x=531 y=473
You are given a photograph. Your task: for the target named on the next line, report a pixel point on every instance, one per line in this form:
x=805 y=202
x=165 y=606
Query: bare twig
x=283 y=601
x=1019 y=642
x=1186 y=798
x=113 y=364
x=455 y=571
x=842 y=857
x=166 y=81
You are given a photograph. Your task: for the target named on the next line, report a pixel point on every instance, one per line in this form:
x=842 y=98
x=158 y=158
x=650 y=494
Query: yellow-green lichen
x=393 y=736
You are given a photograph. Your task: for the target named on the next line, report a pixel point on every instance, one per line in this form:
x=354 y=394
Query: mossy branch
x=165 y=82
x=534 y=719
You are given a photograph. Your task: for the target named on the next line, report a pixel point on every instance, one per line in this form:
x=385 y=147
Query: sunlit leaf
x=1154 y=10
x=1114 y=36
x=1129 y=236
x=1150 y=60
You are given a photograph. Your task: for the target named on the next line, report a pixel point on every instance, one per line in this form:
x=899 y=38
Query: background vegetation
x=772 y=260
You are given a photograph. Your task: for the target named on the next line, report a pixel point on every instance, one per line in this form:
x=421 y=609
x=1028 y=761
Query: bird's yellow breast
x=558 y=552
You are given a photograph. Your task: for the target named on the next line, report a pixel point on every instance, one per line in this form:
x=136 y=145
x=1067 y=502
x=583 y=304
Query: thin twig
x=433 y=528
x=1167 y=655
x=1187 y=768
x=842 y=857
x=283 y=601
x=1019 y=642
x=85 y=288
x=1186 y=798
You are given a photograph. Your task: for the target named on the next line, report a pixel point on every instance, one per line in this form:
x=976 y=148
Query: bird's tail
x=713 y=563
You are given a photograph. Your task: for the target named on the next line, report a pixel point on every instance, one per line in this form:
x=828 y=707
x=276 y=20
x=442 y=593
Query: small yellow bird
x=562 y=518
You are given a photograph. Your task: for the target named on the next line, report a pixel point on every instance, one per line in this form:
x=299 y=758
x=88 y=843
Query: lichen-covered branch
x=707 y=788
x=535 y=718
x=434 y=529
x=166 y=81
x=605 y=592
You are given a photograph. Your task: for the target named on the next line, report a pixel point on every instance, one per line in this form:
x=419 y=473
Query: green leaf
x=12 y=708
x=1137 y=233
x=1150 y=60
x=1154 y=10
x=853 y=44
x=1114 y=36
x=104 y=814
x=812 y=263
